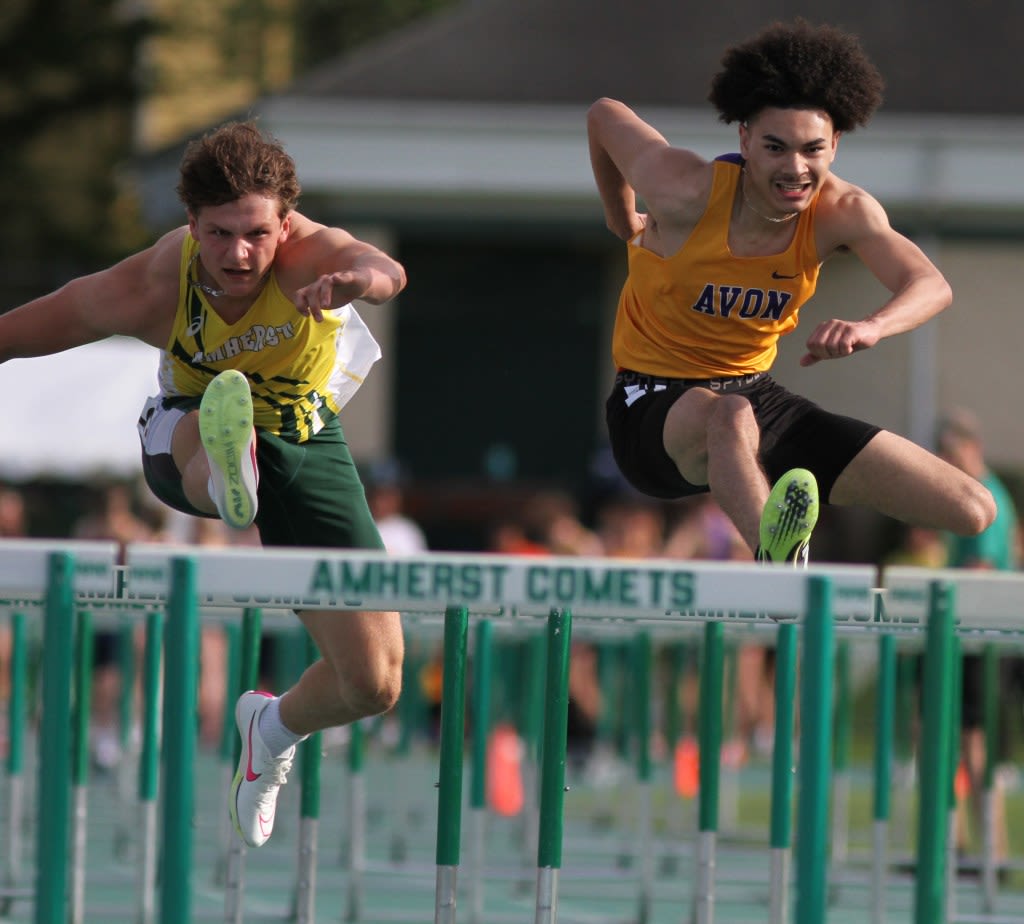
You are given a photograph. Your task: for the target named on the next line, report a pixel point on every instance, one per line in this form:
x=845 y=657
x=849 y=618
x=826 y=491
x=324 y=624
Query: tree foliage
x=67 y=97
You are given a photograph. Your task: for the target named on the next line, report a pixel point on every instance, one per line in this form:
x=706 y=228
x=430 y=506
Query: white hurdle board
x=983 y=601
x=497 y=584
x=25 y=564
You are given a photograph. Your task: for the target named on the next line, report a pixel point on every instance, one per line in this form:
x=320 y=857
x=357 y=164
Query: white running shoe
x=225 y=427
x=254 y=789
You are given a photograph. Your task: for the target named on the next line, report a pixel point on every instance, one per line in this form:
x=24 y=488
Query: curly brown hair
x=798 y=66
x=233 y=161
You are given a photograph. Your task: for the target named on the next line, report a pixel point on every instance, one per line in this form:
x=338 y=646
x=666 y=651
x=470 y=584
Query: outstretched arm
x=919 y=290
x=129 y=298
x=346 y=269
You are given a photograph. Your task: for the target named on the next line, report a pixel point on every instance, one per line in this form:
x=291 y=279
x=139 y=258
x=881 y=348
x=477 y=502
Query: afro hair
x=798 y=66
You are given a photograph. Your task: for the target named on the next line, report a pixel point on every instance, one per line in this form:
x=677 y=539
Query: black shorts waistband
x=725 y=383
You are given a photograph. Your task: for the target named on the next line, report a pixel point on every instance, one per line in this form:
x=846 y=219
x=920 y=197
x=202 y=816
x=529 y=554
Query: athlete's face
x=789 y=153
x=238 y=241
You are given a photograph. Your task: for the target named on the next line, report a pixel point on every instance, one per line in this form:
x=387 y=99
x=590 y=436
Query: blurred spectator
x=919 y=546
x=384 y=492
x=555 y=519
x=632 y=528
x=959 y=441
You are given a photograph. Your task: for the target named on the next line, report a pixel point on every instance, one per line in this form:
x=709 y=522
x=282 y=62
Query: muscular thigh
x=904 y=481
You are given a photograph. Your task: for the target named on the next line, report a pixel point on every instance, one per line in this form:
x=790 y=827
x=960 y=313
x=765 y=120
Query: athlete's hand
x=835 y=339
x=332 y=290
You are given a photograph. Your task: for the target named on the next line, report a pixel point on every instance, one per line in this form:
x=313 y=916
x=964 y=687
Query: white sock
x=276 y=736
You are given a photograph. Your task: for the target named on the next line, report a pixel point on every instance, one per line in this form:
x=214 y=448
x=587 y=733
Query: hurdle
x=818 y=603
x=504 y=588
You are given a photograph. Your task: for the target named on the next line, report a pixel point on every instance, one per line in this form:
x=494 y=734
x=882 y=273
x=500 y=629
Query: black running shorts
x=795 y=433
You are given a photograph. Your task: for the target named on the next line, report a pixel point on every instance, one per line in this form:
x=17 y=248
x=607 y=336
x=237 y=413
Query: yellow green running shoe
x=226 y=430
x=788 y=518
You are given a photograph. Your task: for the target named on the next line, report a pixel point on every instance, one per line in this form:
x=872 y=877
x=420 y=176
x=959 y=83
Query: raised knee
x=375 y=691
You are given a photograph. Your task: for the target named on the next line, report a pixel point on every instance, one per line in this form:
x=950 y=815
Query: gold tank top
x=705 y=313
x=292 y=362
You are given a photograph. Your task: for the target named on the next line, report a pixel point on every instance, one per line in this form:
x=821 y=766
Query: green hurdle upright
x=17 y=711
x=552 y=784
x=55 y=744
x=80 y=761
x=181 y=680
x=449 y=800
x=815 y=744
x=710 y=746
x=309 y=816
x=149 y=762
x=930 y=891
x=782 y=773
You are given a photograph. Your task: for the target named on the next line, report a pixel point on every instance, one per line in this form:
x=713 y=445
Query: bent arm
x=343 y=268
x=918 y=290
x=616 y=137
x=629 y=158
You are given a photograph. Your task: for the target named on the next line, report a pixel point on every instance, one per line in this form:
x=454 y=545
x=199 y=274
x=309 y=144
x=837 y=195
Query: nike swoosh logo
x=778 y=275
x=249 y=775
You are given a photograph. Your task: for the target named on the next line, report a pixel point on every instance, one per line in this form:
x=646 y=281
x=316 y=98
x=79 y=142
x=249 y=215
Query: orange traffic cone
x=687 y=767
x=961 y=783
x=505 y=771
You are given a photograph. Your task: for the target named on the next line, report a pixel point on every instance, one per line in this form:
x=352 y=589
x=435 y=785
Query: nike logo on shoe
x=249 y=775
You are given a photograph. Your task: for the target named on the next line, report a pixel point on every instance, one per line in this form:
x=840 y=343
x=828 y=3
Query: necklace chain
x=201 y=286
x=746 y=202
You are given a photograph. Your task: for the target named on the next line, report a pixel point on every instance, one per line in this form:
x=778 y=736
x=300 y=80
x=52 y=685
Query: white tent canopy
x=73 y=415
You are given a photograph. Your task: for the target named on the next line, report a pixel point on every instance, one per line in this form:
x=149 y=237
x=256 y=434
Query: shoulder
x=679 y=184
x=847 y=214
x=138 y=296
x=309 y=243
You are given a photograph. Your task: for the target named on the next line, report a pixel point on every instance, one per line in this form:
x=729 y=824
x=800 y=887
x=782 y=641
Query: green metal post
x=841 y=755
x=990 y=707
x=126 y=668
x=885 y=707
x=149 y=759
x=309 y=812
x=150 y=755
x=55 y=737
x=710 y=724
x=815 y=741
x=782 y=752
x=17 y=705
x=552 y=780
x=449 y=796
x=232 y=680
x=782 y=772
x=17 y=712
x=483 y=672
x=181 y=677
x=642 y=704
x=673 y=712
x=929 y=892
x=709 y=731
x=82 y=699
x=481 y=711
x=82 y=713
